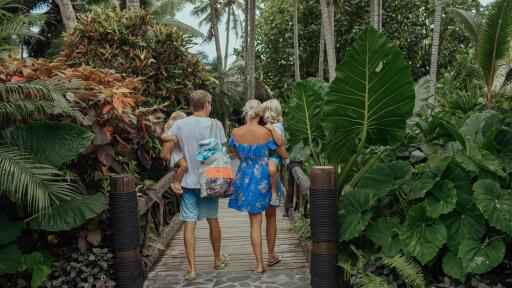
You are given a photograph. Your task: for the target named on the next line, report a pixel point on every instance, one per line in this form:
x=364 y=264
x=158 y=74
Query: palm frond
x=190 y=30
x=470 y=22
x=29 y=183
x=27 y=101
x=165 y=8
x=501 y=76
x=495 y=40
x=409 y=270
x=370 y=280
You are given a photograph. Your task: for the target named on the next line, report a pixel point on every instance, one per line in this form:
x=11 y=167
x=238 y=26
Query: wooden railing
x=297 y=193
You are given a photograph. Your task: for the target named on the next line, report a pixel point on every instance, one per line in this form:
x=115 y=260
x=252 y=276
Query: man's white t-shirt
x=190 y=131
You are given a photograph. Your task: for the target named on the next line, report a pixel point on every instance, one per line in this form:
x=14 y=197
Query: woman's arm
x=276 y=135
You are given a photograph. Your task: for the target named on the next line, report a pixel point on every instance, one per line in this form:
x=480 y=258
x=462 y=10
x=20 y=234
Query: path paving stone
x=293 y=278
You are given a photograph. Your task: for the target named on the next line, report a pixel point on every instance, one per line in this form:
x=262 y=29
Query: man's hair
x=198 y=98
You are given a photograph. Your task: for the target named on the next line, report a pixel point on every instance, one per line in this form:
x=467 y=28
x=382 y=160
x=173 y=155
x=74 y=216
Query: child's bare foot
x=176 y=187
x=275 y=200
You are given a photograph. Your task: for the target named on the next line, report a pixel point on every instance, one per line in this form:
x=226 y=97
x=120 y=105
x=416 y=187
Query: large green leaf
x=441 y=199
x=10 y=230
x=355 y=215
x=385 y=232
x=464 y=223
x=40 y=264
x=51 y=143
x=479 y=124
x=484 y=159
x=10 y=260
x=370 y=99
x=495 y=39
x=421 y=235
x=495 y=203
x=302 y=115
x=471 y=23
x=432 y=172
x=480 y=258
x=383 y=177
x=462 y=184
x=452 y=265
x=70 y=214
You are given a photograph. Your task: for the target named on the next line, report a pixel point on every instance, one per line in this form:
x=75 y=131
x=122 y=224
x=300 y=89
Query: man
x=188 y=133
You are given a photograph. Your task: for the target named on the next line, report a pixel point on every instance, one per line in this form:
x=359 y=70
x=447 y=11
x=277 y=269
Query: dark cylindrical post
x=324 y=227
x=124 y=219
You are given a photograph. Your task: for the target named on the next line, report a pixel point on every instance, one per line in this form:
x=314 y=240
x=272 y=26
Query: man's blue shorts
x=195 y=208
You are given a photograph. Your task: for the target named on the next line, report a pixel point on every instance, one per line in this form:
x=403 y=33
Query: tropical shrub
x=132 y=43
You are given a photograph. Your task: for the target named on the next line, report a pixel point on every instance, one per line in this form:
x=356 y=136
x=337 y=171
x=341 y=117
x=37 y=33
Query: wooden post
x=290 y=191
x=324 y=227
x=124 y=219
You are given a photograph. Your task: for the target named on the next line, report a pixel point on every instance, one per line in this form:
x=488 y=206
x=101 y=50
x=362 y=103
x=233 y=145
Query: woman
x=252 y=144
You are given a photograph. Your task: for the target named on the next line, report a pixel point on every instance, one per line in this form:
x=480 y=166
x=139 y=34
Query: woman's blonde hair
x=252 y=109
x=272 y=112
x=178 y=115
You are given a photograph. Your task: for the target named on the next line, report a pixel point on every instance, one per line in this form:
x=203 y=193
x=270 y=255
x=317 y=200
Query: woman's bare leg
x=256 y=240
x=271 y=228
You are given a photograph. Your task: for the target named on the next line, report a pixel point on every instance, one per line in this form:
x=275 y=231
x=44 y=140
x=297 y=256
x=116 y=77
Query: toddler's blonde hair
x=178 y=115
x=252 y=109
x=272 y=112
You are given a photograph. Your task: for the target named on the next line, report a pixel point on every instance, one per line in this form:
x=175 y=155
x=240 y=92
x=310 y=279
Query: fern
x=409 y=270
x=370 y=280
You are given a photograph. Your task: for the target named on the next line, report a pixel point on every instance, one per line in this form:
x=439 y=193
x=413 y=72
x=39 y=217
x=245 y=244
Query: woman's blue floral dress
x=252 y=182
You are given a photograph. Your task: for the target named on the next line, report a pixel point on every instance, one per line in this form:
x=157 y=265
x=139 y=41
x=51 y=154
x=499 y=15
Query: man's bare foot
x=176 y=187
x=275 y=200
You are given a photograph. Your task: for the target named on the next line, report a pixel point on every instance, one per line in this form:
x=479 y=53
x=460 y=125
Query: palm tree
x=493 y=38
x=328 y=22
x=435 y=47
x=211 y=15
x=296 y=41
x=68 y=14
x=321 y=54
x=231 y=8
x=250 y=50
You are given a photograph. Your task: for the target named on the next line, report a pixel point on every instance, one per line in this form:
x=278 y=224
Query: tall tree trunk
x=329 y=41
x=296 y=41
x=321 y=54
x=215 y=27
x=68 y=14
x=435 y=47
x=246 y=47
x=133 y=4
x=226 y=53
x=376 y=14
x=251 y=73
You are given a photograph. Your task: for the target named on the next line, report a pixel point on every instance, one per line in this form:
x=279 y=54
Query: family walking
x=258 y=144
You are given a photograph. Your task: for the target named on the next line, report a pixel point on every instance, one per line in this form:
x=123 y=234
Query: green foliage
x=385 y=232
x=380 y=98
x=354 y=208
x=371 y=281
x=384 y=177
x=442 y=199
x=302 y=121
x=132 y=43
x=408 y=269
x=479 y=257
x=495 y=204
x=9 y=230
x=70 y=214
x=39 y=264
x=452 y=265
x=10 y=260
x=302 y=229
x=465 y=223
x=50 y=143
x=421 y=235
x=495 y=42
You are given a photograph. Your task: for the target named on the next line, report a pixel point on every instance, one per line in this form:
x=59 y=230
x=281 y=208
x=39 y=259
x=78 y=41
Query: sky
x=186 y=17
